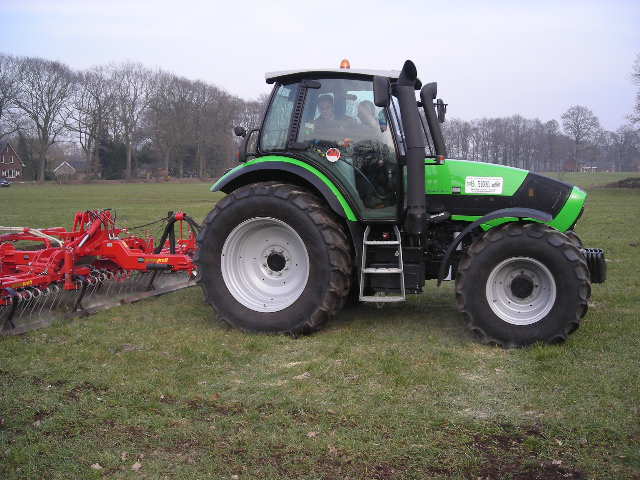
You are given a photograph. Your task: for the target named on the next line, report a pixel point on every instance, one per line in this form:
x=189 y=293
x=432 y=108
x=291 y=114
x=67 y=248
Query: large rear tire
x=274 y=258
x=520 y=284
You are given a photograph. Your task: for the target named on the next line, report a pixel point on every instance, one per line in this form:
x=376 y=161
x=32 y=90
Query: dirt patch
x=168 y=400
x=41 y=415
x=215 y=406
x=32 y=379
x=83 y=388
x=631 y=182
x=332 y=468
x=505 y=455
x=336 y=468
x=516 y=471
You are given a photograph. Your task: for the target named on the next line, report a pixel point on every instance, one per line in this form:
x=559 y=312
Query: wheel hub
x=521 y=290
x=277 y=259
x=265 y=264
x=522 y=286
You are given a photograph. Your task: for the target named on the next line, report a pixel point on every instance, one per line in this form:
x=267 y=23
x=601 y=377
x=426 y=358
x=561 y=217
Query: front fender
x=505 y=213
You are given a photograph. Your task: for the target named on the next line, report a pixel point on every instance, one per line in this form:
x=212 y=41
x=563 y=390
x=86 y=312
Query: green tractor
x=344 y=195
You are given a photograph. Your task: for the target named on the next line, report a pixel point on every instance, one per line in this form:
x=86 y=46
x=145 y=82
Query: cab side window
x=276 y=125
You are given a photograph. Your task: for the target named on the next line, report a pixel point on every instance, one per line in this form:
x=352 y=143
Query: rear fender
x=289 y=171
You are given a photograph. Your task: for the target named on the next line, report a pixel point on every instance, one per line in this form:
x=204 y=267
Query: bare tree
x=625 y=148
x=44 y=88
x=635 y=77
x=207 y=100
x=8 y=92
x=92 y=104
x=132 y=95
x=581 y=125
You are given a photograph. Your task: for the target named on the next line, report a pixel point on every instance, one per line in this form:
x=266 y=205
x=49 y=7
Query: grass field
x=161 y=389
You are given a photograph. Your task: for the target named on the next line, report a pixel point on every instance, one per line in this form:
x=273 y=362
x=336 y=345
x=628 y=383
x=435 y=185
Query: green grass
x=403 y=392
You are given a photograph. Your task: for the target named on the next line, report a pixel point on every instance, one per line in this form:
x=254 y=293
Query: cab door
x=343 y=131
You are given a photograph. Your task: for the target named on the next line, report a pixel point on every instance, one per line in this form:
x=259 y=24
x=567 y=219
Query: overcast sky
x=490 y=58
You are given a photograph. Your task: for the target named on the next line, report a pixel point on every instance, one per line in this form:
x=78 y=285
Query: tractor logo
x=333 y=155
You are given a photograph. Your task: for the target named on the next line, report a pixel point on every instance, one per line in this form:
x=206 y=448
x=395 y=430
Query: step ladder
x=365 y=270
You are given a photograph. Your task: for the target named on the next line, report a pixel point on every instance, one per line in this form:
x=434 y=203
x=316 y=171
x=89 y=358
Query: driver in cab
x=328 y=125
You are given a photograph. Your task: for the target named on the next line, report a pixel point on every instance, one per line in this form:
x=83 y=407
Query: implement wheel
x=520 y=284
x=273 y=258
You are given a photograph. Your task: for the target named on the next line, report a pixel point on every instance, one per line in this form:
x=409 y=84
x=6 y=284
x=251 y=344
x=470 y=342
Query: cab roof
x=330 y=72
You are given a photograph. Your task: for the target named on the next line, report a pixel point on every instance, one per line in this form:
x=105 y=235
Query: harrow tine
x=56 y=294
x=109 y=283
x=94 y=284
x=24 y=307
x=38 y=298
x=46 y=293
x=124 y=278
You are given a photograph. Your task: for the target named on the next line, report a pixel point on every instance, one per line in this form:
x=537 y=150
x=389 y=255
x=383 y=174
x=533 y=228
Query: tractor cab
x=332 y=120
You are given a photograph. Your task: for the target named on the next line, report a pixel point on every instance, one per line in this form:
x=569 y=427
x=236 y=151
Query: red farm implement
x=52 y=272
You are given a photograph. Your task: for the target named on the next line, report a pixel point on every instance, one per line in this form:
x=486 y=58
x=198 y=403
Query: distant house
x=64 y=171
x=10 y=164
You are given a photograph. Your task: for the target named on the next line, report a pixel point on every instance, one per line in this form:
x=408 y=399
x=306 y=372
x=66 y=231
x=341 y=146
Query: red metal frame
x=96 y=247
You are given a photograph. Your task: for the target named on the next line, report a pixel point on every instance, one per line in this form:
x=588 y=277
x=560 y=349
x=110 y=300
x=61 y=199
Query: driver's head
x=366 y=110
x=325 y=106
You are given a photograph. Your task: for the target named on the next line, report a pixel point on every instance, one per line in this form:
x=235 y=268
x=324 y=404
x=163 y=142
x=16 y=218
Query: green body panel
x=348 y=211
x=569 y=213
x=440 y=179
x=562 y=221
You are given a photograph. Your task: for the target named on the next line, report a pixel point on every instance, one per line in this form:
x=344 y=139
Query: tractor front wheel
x=273 y=258
x=520 y=284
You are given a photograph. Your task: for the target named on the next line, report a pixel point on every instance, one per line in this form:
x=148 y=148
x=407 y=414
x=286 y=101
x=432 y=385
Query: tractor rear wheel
x=273 y=258
x=520 y=284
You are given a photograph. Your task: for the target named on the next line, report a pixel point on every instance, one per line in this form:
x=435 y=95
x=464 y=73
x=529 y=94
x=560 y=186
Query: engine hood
x=473 y=189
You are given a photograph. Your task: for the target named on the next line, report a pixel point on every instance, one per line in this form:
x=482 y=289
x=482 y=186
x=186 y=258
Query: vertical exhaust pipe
x=415 y=148
x=428 y=94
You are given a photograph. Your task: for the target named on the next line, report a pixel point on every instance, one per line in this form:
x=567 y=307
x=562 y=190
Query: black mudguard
x=519 y=213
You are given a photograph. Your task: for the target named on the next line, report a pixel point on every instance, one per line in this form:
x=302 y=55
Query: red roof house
x=10 y=164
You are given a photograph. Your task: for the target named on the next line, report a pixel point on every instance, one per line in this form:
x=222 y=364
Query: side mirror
x=381 y=89
x=441 y=108
x=249 y=147
x=239 y=131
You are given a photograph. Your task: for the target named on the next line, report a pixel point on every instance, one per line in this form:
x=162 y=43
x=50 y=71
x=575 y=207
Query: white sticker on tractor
x=483 y=185
x=333 y=155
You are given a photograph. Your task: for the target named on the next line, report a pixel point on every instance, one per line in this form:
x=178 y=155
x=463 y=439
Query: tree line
x=127 y=118
x=578 y=143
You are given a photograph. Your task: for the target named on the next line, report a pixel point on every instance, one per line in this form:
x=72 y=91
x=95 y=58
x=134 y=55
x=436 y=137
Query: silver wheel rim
x=521 y=290
x=265 y=264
